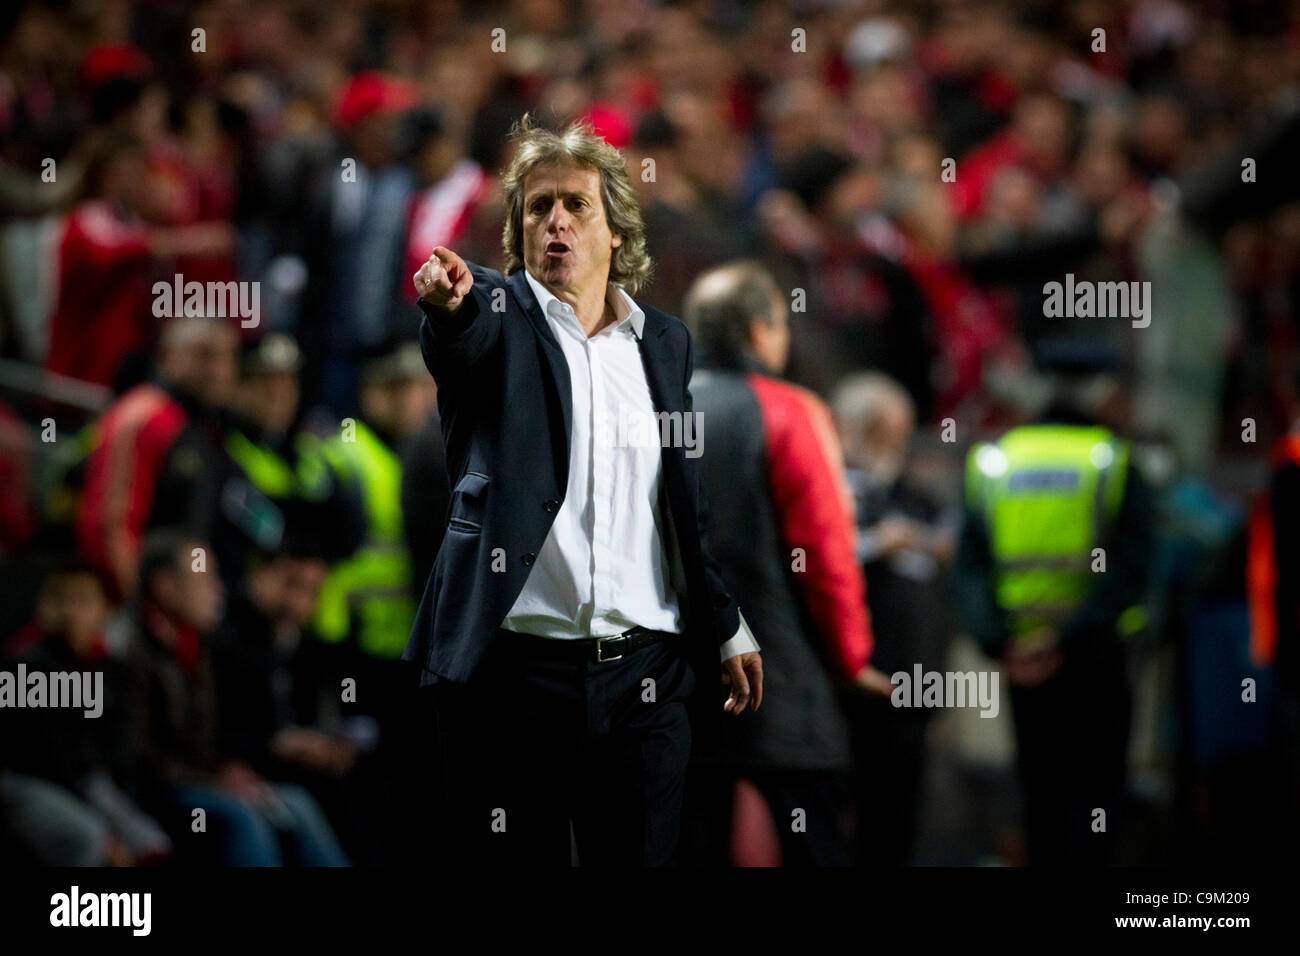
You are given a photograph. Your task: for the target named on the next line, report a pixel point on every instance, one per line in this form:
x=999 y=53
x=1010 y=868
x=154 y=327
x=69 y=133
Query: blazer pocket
x=467 y=503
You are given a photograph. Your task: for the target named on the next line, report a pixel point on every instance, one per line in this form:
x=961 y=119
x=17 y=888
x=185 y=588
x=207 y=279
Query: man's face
x=373 y=138
x=567 y=242
x=770 y=341
x=854 y=195
x=270 y=399
x=219 y=357
x=437 y=157
x=124 y=179
x=85 y=609
x=302 y=585
x=206 y=364
x=195 y=597
x=886 y=443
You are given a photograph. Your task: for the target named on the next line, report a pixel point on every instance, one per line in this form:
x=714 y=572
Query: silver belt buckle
x=600 y=648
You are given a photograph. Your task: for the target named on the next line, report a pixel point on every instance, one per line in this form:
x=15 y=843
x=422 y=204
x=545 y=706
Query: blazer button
x=552 y=506
x=528 y=559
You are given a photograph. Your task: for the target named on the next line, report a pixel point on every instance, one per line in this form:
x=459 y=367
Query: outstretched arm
x=458 y=329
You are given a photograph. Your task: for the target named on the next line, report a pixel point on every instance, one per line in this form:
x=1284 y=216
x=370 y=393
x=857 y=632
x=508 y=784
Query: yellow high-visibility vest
x=373 y=587
x=1048 y=495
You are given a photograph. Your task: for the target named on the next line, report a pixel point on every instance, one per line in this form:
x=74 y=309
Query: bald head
x=738 y=310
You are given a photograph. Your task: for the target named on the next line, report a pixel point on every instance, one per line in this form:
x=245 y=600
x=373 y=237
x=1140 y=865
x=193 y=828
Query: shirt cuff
x=742 y=642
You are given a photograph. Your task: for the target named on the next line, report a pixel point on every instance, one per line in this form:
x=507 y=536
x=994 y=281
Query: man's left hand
x=744 y=673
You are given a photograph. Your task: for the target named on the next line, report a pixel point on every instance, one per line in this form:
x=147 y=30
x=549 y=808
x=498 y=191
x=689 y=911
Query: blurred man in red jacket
x=158 y=458
x=782 y=528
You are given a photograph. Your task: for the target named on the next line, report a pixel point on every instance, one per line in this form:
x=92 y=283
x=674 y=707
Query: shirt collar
x=625 y=307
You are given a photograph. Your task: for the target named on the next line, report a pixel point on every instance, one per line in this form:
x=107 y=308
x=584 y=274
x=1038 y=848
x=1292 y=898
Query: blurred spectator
x=269 y=689
x=157 y=458
x=905 y=540
x=103 y=312
x=174 y=722
x=451 y=186
x=354 y=214
x=83 y=754
x=257 y=663
x=781 y=527
x=686 y=230
x=104 y=261
x=863 y=308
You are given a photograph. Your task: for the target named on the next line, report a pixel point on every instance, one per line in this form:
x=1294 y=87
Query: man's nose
x=559 y=220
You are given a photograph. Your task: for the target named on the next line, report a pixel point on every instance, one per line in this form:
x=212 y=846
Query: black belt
x=596 y=650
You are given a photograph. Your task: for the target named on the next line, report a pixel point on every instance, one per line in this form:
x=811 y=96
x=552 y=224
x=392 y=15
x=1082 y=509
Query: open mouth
x=557 y=250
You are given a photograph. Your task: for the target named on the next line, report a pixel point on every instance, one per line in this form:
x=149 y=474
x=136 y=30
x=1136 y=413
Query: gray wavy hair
x=630 y=265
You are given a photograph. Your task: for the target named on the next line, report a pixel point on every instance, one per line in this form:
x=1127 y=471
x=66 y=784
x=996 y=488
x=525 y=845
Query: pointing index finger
x=449 y=261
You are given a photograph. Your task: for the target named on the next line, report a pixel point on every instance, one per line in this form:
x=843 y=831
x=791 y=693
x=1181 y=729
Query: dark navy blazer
x=505 y=400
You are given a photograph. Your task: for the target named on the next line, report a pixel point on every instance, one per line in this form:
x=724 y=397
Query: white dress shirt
x=603 y=568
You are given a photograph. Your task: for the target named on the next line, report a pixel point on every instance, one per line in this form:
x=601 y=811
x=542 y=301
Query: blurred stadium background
x=322 y=150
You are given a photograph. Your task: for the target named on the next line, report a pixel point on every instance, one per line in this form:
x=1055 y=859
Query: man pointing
x=573 y=620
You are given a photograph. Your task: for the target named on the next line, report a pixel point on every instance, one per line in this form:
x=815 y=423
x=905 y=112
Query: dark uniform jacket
x=782 y=530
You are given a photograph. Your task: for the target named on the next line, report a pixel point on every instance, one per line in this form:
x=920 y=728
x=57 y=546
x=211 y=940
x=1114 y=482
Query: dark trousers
x=887 y=780
x=1072 y=746
x=534 y=743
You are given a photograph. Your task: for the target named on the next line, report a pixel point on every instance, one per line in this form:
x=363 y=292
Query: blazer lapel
x=665 y=391
x=560 y=380
x=664 y=379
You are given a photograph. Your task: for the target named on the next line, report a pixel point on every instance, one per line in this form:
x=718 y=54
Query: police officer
x=367 y=598
x=366 y=606
x=1051 y=573
x=278 y=469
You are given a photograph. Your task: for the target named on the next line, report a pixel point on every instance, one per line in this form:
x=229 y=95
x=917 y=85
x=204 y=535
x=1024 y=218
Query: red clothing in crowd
x=132 y=442
x=190 y=192
x=103 y=308
x=969 y=324
x=17 y=516
x=981 y=166
x=439 y=215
